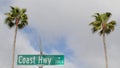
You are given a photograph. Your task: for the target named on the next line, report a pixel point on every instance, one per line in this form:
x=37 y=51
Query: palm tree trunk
x=14 y=45
x=105 y=50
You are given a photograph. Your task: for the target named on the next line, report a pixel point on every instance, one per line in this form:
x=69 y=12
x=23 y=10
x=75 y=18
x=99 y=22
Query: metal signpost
x=40 y=60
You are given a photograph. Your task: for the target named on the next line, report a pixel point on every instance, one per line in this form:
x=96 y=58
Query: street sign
x=40 y=60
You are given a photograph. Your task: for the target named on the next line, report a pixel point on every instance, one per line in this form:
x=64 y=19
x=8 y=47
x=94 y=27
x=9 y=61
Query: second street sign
x=40 y=60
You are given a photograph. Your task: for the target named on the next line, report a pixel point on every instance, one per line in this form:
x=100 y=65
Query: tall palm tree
x=16 y=17
x=104 y=27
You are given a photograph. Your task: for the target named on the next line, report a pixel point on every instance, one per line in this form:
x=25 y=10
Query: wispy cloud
x=59 y=45
x=33 y=37
x=63 y=26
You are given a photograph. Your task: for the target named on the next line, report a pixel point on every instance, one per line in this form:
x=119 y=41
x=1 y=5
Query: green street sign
x=40 y=60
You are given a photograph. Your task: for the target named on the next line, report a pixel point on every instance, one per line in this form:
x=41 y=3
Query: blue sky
x=60 y=45
x=63 y=26
x=4 y=4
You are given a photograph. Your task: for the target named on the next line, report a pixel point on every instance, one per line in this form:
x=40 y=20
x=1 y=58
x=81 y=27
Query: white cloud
x=53 y=18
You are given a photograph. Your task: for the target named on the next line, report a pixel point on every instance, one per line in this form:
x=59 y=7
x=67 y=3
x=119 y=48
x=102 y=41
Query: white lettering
x=45 y=60
x=40 y=59
x=49 y=61
x=19 y=61
x=26 y=60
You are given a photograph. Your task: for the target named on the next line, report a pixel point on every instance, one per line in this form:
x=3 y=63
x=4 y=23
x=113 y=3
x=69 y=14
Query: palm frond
x=96 y=16
x=11 y=24
x=96 y=26
x=8 y=20
x=8 y=14
x=15 y=11
x=23 y=11
x=25 y=22
x=101 y=32
x=23 y=16
x=106 y=16
x=111 y=25
x=22 y=24
x=112 y=22
x=94 y=30
x=12 y=7
x=107 y=31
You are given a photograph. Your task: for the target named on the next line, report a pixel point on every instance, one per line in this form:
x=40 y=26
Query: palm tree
x=16 y=17
x=104 y=27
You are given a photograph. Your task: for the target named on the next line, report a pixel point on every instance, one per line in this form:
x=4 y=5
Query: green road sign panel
x=40 y=60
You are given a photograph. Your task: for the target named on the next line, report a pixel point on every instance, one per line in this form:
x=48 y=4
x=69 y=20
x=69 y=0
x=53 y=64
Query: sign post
x=40 y=60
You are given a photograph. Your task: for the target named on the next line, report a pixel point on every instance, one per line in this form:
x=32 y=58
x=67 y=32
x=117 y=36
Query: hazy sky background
x=63 y=26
